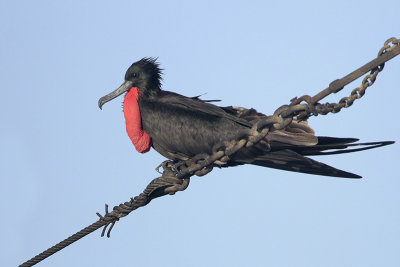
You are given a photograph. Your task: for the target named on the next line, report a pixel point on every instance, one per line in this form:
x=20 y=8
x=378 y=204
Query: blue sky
x=62 y=158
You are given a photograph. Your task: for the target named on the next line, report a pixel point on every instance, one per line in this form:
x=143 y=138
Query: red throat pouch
x=140 y=139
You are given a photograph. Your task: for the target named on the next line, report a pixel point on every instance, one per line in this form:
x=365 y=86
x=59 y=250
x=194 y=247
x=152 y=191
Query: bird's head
x=144 y=74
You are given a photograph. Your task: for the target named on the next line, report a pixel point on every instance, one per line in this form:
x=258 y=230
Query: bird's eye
x=135 y=75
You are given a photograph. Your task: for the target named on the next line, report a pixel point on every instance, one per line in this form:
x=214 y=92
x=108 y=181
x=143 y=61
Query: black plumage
x=181 y=127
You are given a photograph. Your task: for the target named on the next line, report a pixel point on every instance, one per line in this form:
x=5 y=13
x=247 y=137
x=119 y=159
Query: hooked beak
x=120 y=90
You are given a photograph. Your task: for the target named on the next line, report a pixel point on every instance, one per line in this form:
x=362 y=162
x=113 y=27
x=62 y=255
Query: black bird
x=180 y=127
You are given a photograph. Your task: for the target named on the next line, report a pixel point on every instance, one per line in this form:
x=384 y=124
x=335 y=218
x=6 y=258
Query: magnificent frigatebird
x=180 y=127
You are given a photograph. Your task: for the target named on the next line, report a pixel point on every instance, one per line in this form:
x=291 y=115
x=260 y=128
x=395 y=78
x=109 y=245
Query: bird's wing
x=197 y=105
x=297 y=133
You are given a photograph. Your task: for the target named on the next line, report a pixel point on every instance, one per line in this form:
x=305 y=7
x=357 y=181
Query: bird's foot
x=167 y=165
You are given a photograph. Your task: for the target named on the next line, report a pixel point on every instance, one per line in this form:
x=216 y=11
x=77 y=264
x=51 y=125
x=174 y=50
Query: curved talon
x=165 y=165
x=158 y=168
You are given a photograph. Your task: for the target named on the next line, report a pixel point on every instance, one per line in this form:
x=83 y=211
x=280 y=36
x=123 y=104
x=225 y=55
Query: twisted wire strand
x=73 y=238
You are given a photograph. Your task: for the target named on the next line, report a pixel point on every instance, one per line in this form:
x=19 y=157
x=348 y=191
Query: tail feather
x=292 y=158
x=327 y=140
x=319 y=150
x=291 y=161
x=286 y=149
